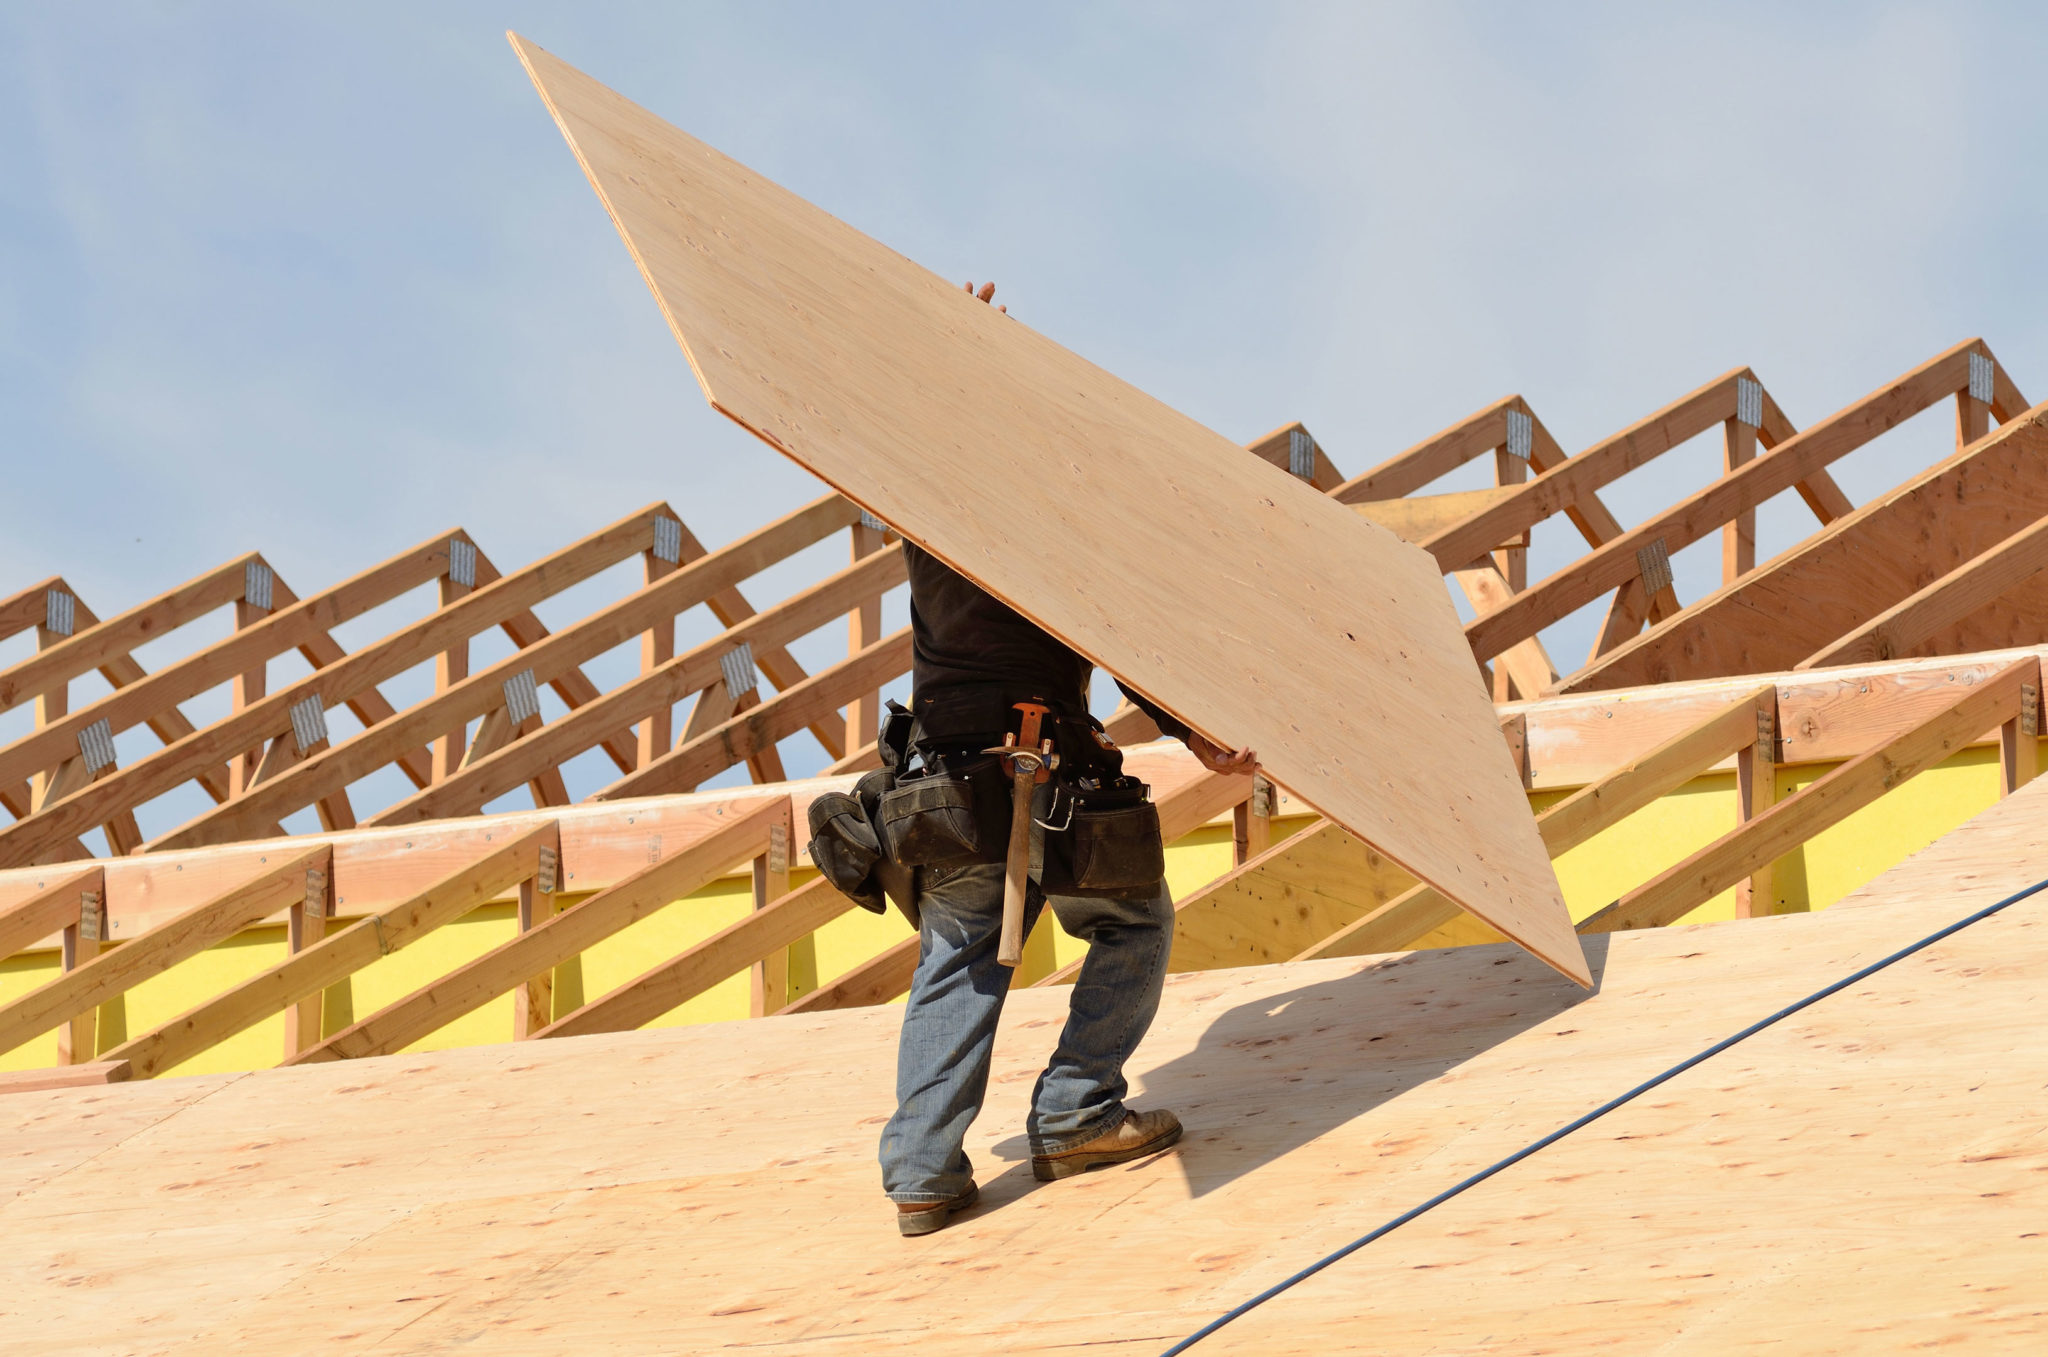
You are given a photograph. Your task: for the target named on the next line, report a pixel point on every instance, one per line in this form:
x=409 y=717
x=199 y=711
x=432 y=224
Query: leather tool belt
x=1101 y=830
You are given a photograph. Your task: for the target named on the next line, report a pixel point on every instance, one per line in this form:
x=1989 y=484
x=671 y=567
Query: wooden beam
x=1756 y=791
x=1975 y=584
x=94 y=645
x=200 y=754
x=1738 y=536
x=2019 y=743
x=341 y=954
x=681 y=978
x=1438 y=455
x=29 y=608
x=622 y=622
x=1844 y=577
x=731 y=608
x=875 y=981
x=470 y=986
x=64 y=1076
x=1610 y=566
x=158 y=950
x=863 y=629
x=1277 y=449
x=692 y=671
x=1570 y=482
x=319 y=649
x=760 y=726
x=1564 y=826
x=49 y=910
x=1828 y=801
x=305 y=926
x=768 y=980
x=1526 y=662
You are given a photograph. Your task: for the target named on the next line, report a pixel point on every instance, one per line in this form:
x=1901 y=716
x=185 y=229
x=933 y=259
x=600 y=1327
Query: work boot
x=924 y=1217
x=1137 y=1135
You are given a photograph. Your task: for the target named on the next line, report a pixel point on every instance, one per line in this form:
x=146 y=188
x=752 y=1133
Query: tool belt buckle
x=1023 y=751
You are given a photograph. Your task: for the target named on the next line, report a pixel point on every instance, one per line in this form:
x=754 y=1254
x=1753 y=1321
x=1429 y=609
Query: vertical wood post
x=658 y=644
x=1973 y=419
x=1756 y=787
x=770 y=978
x=1513 y=561
x=1251 y=823
x=251 y=684
x=77 y=1040
x=305 y=925
x=533 y=1003
x=54 y=703
x=2019 y=741
x=863 y=629
x=451 y=666
x=1738 y=538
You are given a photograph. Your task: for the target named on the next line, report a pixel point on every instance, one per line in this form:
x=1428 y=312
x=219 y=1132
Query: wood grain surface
x=1867 y=1176
x=1261 y=611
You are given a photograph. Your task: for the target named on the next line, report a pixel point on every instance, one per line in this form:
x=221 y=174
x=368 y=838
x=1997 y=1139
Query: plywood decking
x=875 y=373
x=1869 y=1175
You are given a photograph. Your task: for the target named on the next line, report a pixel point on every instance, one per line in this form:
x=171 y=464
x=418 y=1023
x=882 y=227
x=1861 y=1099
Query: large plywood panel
x=1261 y=611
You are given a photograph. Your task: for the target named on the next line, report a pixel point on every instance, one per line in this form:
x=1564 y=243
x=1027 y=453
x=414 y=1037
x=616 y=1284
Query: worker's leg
x=949 y=1028
x=1081 y=1094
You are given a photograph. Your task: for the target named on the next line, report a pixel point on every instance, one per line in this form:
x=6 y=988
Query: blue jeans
x=956 y=995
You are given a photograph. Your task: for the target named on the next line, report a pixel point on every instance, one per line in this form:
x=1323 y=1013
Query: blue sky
x=324 y=281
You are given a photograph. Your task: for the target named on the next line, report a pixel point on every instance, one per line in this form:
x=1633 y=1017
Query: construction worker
x=973 y=657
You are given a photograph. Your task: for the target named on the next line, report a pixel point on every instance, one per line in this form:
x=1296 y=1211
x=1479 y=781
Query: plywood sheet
x=1868 y=1176
x=1262 y=612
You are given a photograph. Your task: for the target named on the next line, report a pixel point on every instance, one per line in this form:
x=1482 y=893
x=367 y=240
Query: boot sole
x=926 y=1222
x=1055 y=1167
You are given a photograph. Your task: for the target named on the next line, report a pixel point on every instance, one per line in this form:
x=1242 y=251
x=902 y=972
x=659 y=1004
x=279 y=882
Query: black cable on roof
x=1561 y=1132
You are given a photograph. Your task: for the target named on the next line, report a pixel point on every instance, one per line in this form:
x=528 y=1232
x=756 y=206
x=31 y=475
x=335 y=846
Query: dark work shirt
x=962 y=635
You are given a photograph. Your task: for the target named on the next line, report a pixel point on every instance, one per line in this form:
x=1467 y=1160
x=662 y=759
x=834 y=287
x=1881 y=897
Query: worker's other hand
x=987 y=294
x=1217 y=759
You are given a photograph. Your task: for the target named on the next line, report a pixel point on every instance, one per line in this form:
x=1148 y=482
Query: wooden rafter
x=1622 y=559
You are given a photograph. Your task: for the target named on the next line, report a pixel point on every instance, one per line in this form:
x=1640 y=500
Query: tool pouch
x=948 y=813
x=844 y=845
x=1102 y=839
x=846 y=841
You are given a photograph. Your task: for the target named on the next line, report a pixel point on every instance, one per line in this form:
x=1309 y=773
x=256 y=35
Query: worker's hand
x=1217 y=759
x=987 y=294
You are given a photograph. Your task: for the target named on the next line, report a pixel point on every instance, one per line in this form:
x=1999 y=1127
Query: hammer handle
x=1010 y=947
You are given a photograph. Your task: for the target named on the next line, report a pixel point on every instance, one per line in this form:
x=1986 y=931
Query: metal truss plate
x=1301 y=454
x=522 y=697
x=668 y=539
x=1654 y=561
x=1749 y=402
x=309 y=722
x=1521 y=434
x=96 y=745
x=60 y=612
x=462 y=562
x=1983 y=375
x=258 y=585
x=737 y=666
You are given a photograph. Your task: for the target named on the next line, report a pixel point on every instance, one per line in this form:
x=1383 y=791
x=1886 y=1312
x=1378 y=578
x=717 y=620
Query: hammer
x=1029 y=760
